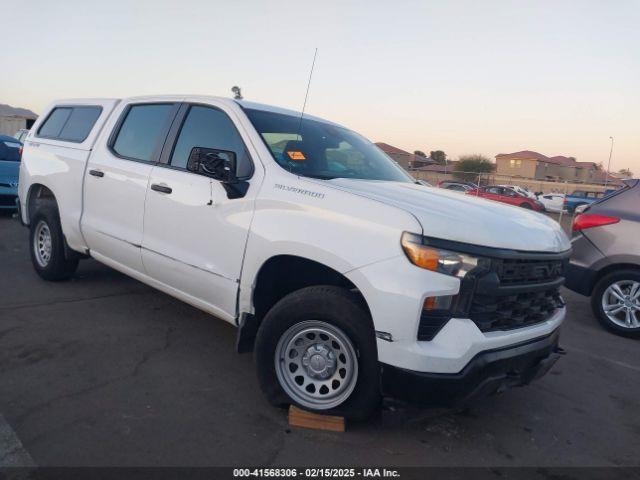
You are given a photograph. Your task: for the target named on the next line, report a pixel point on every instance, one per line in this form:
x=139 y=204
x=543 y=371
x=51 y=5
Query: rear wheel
x=316 y=349
x=525 y=205
x=616 y=302
x=47 y=246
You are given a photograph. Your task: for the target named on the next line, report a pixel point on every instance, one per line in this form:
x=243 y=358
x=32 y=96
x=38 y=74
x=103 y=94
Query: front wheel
x=316 y=349
x=616 y=302
x=526 y=206
x=47 y=246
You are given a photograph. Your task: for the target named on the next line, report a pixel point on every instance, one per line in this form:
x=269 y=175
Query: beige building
x=529 y=164
x=13 y=119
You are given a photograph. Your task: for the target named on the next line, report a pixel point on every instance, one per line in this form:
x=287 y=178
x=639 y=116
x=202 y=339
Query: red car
x=507 y=195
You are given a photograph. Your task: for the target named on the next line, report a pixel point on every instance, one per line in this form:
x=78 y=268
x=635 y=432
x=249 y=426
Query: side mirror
x=211 y=162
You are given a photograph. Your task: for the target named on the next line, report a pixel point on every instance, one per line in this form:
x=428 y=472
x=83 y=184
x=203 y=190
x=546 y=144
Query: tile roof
x=386 y=148
x=524 y=154
x=531 y=155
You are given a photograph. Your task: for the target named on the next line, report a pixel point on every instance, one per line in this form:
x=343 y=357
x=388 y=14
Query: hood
x=9 y=171
x=464 y=218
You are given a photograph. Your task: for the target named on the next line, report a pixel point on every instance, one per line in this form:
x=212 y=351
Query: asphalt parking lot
x=102 y=370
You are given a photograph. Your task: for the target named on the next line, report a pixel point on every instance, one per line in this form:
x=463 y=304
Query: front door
x=116 y=183
x=194 y=234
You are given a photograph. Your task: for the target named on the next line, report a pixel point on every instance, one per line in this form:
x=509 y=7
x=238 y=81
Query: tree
x=438 y=156
x=469 y=166
x=626 y=172
x=420 y=153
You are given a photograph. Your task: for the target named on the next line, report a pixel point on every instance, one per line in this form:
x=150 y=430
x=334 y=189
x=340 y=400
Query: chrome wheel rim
x=316 y=364
x=42 y=244
x=621 y=303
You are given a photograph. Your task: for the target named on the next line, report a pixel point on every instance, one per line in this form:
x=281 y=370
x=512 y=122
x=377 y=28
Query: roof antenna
x=304 y=105
x=237 y=93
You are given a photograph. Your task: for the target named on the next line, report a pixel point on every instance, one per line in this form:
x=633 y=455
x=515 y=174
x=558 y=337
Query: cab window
x=70 y=124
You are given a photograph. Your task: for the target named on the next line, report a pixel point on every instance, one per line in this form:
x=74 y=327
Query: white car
x=553 y=202
x=346 y=279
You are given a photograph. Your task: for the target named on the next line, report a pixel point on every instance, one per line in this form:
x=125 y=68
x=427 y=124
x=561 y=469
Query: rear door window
x=70 y=124
x=142 y=131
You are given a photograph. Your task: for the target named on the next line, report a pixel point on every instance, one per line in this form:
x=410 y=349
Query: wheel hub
x=621 y=303
x=42 y=244
x=316 y=364
x=319 y=361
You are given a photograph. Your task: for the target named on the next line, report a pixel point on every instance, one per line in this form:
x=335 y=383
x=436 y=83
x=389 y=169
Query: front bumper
x=490 y=371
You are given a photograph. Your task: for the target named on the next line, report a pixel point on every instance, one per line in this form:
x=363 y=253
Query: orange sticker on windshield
x=296 y=155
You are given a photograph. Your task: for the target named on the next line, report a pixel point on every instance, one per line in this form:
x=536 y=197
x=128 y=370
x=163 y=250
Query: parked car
x=507 y=195
x=582 y=197
x=552 y=202
x=21 y=134
x=521 y=190
x=10 y=150
x=605 y=263
x=424 y=183
x=346 y=279
x=456 y=186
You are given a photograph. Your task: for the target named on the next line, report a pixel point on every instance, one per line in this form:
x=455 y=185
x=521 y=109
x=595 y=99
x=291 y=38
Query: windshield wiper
x=319 y=176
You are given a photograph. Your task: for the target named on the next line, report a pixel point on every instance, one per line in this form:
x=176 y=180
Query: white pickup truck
x=347 y=279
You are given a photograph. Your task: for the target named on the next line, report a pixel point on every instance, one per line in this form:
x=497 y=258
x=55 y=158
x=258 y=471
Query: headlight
x=436 y=259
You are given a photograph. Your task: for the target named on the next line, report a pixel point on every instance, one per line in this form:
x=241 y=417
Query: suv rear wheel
x=316 y=349
x=616 y=302
x=47 y=245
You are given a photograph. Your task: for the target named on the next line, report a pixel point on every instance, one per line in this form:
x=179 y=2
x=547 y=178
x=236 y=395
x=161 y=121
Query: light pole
x=606 y=174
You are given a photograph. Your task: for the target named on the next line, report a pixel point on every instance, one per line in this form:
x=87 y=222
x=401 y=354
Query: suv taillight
x=590 y=220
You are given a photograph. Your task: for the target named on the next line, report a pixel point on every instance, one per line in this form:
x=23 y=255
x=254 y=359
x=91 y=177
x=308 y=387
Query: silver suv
x=606 y=259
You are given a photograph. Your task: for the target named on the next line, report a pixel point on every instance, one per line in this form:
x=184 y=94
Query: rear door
x=116 y=182
x=194 y=234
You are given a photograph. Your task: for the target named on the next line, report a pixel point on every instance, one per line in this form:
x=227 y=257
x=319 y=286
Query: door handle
x=96 y=173
x=161 y=188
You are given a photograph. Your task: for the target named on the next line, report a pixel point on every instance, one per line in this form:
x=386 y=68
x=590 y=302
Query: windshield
x=317 y=149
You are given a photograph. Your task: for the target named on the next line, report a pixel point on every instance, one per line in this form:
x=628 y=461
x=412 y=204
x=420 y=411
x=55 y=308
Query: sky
x=558 y=77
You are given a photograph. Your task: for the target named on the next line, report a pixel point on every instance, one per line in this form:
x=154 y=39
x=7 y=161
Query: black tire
x=58 y=267
x=526 y=206
x=597 y=296
x=339 y=308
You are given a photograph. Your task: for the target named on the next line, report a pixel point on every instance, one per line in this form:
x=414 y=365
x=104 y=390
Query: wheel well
x=284 y=274
x=37 y=194
x=612 y=268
